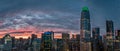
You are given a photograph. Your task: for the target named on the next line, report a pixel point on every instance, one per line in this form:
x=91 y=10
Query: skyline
x=51 y=14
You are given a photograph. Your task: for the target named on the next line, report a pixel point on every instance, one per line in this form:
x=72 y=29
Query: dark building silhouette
x=117 y=41
x=110 y=35
x=60 y=45
x=77 y=42
x=109 y=28
x=95 y=39
x=97 y=44
x=117 y=34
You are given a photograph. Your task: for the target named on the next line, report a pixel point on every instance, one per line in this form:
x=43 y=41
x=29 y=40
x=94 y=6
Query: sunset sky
x=58 y=15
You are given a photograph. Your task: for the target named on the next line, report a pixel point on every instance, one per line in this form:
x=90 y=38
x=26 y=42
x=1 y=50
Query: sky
x=61 y=15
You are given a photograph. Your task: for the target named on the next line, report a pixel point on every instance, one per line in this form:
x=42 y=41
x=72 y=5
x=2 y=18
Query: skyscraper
x=65 y=38
x=118 y=34
x=7 y=42
x=60 y=45
x=34 y=43
x=85 y=30
x=47 y=41
x=85 y=24
x=117 y=41
x=78 y=42
x=96 y=33
x=109 y=28
x=96 y=39
x=110 y=35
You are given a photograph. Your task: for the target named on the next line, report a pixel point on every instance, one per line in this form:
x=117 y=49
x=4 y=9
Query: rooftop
x=85 y=9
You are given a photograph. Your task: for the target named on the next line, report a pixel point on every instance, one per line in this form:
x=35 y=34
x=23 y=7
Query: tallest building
x=85 y=30
x=85 y=25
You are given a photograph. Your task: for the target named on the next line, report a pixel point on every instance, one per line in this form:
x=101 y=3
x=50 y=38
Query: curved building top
x=48 y=32
x=85 y=9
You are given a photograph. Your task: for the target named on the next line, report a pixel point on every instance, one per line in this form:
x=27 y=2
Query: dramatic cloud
x=38 y=19
x=60 y=14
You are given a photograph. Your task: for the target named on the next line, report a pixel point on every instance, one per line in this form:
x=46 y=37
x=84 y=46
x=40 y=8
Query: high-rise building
x=95 y=39
x=33 y=36
x=110 y=35
x=109 y=28
x=85 y=30
x=117 y=34
x=78 y=42
x=34 y=43
x=7 y=42
x=47 y=41
x=117 y=41
x=65 y=38
x=60 y=45
x=85 y=24
x=74 y=43
x=95 y=33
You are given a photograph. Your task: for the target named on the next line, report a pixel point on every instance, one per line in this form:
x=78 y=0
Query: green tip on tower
x=85 y=9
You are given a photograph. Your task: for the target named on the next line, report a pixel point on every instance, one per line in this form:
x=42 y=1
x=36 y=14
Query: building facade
x=47 y=41
x=97 y=44
x=65 y=38
x=85 y=30
x=7 y=42
x=110 y=37
x=117 y=40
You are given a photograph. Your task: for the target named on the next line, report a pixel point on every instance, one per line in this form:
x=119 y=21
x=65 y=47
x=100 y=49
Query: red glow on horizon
x=29 y=30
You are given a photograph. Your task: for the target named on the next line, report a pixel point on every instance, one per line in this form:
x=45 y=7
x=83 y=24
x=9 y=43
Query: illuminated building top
x=85 y=9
